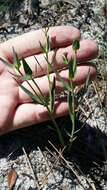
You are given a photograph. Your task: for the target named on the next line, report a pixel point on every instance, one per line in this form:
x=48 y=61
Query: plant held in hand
x=49 y=101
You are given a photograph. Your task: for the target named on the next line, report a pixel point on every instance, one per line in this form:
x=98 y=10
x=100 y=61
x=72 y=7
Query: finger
x=8 y=101
x=80 y=77
x=29 y=114
x=29 y=44
x=88 y=50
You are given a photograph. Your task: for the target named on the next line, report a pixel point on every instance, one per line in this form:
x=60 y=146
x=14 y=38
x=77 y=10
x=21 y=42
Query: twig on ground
x=91 y=184
x=68 y=165
x=50 y=169
x=30 y=166
x=74 y=172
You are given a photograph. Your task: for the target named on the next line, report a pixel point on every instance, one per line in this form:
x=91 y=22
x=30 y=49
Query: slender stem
x=38 y=87
x=47 y=59
x=46 y=51
x=57 y=127
x=73 y=111
x=72 y=117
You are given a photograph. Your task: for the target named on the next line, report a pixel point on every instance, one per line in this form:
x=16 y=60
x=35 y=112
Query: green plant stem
x=48 y=106
x=72 y=116
x=57 y=127
x=73 y=110
x=47 y=59
x=48 y=75
x=72 y=94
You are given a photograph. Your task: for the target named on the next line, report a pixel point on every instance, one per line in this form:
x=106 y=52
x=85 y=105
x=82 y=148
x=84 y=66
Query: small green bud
x=76 y=45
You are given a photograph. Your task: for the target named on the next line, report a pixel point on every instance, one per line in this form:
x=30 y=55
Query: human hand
x=16 y=108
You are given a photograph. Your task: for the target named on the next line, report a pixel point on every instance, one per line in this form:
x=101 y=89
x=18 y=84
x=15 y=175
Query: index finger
x=29 y=43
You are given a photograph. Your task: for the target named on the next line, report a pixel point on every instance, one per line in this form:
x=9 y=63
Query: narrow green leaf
x=68 y=134
x=39 y=65
x=26 y=67
x=48 y=44
x=52 y=94
x=47 y=48
x=71 y=73
x=74 y=64
x=65 y=60
x=49 y=68
x=46 y=30
x=16 y=61
x=26 y=77
x=34 y=97
x=6 y=62
x=49 y=64
x=70 y=105
x=43 y=48
x=65 y=84
x=74 y=138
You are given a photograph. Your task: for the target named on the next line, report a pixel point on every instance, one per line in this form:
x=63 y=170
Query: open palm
x=16 y=108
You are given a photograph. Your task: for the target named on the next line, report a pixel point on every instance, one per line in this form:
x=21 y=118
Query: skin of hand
x=16 y=108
